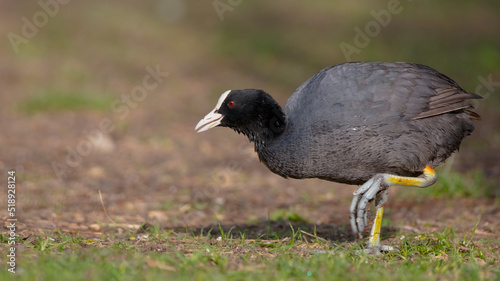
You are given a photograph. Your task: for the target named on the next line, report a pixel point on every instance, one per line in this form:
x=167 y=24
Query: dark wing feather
x=448 y=100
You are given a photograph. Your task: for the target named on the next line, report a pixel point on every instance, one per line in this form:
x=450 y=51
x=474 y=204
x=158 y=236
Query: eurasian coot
x=381 y=124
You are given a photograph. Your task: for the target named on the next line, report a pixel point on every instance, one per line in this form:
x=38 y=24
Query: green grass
x=473 y=184
x=168 y=256
x=56 y=100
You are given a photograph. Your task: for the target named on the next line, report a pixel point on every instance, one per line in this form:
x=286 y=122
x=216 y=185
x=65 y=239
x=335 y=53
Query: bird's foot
x=374 y=188
x=377 y=188
x=374 y=246
x=362 y=196
x=376 y=250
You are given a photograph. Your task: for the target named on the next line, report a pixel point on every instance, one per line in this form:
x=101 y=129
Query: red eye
x=230 y=104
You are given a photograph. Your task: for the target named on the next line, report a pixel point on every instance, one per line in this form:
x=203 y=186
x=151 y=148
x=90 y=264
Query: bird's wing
x=448 y=100
x=408 y=90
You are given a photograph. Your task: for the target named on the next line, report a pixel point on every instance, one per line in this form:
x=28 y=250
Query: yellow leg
x=377 y=224
x=378 y=187
x=429 y=178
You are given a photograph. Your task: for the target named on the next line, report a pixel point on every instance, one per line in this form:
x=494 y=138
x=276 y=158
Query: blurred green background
x=66 y=66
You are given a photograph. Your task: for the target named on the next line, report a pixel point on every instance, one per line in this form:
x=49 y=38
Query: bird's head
x=251 y=112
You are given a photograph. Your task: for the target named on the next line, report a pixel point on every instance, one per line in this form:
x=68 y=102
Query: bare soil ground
x=153 y=168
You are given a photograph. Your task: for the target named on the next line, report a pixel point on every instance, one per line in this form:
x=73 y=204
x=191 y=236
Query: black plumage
x=354 y=120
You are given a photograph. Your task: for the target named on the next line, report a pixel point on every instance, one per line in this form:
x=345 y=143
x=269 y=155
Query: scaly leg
x=377 y=223
x=378 y=187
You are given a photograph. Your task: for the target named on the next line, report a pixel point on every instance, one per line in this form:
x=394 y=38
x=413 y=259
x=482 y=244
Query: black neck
x=269 y=123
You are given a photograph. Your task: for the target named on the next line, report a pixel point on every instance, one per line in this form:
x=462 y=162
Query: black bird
x=370 y=123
